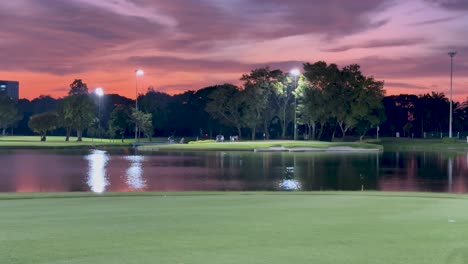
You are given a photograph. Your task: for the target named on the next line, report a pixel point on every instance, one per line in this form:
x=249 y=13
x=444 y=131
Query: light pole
x=138 y=72
x=295 y=73
x=100 y=93
x=451 y=54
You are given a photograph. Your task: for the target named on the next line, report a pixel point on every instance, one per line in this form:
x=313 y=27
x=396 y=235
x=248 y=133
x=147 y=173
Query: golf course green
x=58 y=142
x=428 y=145
x=303 y=227
x=252 y=145
x=387 y=144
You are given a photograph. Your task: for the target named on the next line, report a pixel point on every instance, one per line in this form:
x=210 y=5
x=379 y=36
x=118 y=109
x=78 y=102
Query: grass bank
x=234 y=228
x=407 y=144
x=57 y=142
x=251 y=145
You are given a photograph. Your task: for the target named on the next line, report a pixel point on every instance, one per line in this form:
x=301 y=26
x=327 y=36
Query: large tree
x=156 y=103
x=367 y=109
x=436 y=109
x=341 y=96
x=310 y=108
x=65 y=118
x=143 y=121
x=225 y=104
x=282 y=100
x=351 y=99
x=8 y=112
x=120 y=121
x=324 y=108
x=77 y=110
x=41 y=123
x=400 y=111
x=78 y=87
x=259 y=84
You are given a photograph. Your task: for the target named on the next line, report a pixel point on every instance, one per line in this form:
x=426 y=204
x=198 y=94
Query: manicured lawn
x=407 y=144
x=234 y=228
x=54 y=141
x=251 y=145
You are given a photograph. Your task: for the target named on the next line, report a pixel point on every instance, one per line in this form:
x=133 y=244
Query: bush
x=447 y=140
x=202 y=141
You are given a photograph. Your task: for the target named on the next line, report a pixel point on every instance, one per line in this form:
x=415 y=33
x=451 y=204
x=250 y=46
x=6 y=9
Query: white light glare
x=139 y=72
x=295 y=72
x=135 y=173
x=99 y=91
x=97 y=171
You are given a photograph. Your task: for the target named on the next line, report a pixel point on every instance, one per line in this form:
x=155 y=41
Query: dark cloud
x=62 y=37
x=329 y=17
x=456 y=5
x=61 y=89
x=436 y=64
x=405 y=85
x=435 y=21
x=65 y=37
x=174 y=64
x=378 y=44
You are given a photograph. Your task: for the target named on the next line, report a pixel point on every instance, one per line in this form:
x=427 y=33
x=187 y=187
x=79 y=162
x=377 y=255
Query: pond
x=124 y=171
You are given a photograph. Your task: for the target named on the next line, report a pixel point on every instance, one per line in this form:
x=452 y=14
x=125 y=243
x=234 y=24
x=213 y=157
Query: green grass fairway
x=251 y=145
x=407 y=144
x=233 y=228
x=56 y=142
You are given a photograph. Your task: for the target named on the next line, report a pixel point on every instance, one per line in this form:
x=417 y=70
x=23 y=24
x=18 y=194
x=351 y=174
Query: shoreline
x=309 y=149
x=384 y=144
x=268 y=146
x=5 y=196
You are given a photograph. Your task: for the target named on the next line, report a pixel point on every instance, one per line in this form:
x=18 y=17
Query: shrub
x=202 y=141
x=447 y=140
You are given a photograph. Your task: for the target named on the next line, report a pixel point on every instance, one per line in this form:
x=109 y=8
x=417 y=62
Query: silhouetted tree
x=8 y=112
x=143 y=121
x=120 y=121
x=259 y=85
x=226 y=105
x=77 y=110
x=78 y=87
x=41 y=123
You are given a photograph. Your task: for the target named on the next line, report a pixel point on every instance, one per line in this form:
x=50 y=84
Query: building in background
x=10 y=88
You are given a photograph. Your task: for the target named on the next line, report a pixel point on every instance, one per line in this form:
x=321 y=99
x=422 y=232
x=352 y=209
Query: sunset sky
x=190 y=44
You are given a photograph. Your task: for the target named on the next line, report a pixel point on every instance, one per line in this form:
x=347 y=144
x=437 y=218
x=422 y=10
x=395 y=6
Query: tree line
x=324 y=102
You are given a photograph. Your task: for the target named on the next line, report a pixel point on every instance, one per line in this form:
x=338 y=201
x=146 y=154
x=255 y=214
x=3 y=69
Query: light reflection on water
x=97 y=180
x=119 y=171
x=134 y=174
x=290 y=185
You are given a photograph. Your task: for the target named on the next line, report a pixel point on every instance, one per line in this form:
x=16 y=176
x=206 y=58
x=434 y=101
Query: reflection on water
x=97 y=170
x=100 y=171
x=450 y=174
x=290 y=185
x=426 y=172
x=134 y=174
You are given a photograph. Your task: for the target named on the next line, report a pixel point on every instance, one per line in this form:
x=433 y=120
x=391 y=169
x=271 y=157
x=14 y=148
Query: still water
x=124 y=171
